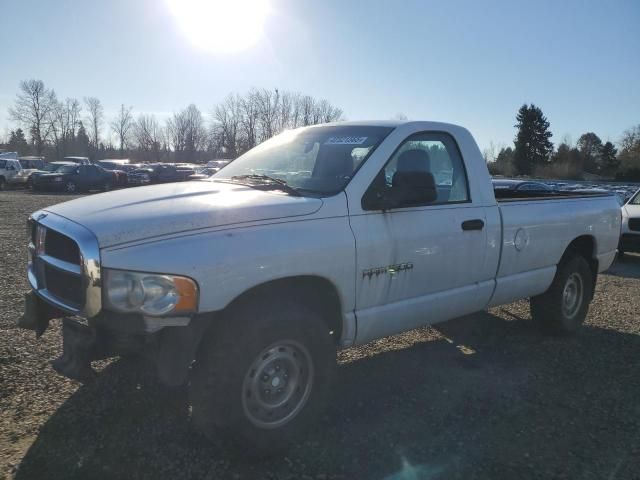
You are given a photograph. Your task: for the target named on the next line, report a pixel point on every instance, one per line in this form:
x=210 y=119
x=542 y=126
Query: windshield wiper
x=266 y=180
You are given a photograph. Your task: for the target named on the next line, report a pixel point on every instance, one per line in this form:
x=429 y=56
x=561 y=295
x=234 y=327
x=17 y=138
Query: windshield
x=636 y=199
x=317 y=159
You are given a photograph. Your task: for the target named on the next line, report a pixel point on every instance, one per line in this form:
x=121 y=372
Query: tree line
x=54 y=128
x=533 y=153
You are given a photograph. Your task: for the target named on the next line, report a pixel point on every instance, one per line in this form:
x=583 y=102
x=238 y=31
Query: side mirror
x=408 y=189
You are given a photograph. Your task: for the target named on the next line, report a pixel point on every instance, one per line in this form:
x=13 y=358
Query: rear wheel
x=70 y=187
x=562 y=309
x=262 y=376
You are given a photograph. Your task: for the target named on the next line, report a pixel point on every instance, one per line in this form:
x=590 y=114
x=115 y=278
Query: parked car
x=118 y=168
x=49 y=167
x=9 y=169
x=245 y=284
x=218 y=163
x=32 y=162
x=202 y=173
x=630 y=232
x=79 y=160
x=520 y=185
x=75 y=178
x=159 y=173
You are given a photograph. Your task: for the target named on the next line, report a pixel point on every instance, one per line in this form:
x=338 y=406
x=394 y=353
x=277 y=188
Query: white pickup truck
x=244 y=285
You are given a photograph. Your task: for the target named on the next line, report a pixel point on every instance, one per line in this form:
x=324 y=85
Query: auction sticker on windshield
x=345 y=140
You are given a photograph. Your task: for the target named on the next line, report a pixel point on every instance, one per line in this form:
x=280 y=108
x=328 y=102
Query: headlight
x=57 y=179
x=149 y=293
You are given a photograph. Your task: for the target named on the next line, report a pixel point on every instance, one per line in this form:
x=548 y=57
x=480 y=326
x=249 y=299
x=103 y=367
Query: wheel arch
x=586 y=247
x=315 y=291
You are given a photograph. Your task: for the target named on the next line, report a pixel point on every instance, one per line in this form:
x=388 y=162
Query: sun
x=221 y=26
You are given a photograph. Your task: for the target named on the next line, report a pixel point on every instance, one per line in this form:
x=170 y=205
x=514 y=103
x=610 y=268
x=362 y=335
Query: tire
x=29 y=185
x=562 y=309
x=71 y=187
x=259 y=357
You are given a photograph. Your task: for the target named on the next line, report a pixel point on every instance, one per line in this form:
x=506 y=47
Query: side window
x=3 y=164
x=433 y=154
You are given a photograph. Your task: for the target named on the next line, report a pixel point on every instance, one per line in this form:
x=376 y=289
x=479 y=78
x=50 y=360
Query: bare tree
x=268 y=106
x=186 y=133
x=122 y=126
x=95 y=115
x=33 y=108
x=240 y=123
x=249 y=118
x=226 y=128
x=149 y=137
x=64 y=120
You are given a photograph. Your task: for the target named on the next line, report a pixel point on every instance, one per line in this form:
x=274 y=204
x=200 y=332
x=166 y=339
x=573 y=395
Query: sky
x=472 y=63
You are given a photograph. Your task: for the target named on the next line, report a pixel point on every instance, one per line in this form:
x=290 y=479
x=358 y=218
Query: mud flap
x=78 y=344
x=36 y=314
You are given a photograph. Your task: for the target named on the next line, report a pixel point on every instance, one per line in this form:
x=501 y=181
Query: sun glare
x=221 y=25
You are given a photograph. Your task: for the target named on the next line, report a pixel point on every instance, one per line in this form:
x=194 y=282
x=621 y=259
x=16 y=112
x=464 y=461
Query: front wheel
x=563 y=308
x=70 y=187
x=263 y=376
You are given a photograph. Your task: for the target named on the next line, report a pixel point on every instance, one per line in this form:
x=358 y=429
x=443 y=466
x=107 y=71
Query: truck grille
x=65 y=267
x=60 y=246
x=634 y=224
x=64 y=285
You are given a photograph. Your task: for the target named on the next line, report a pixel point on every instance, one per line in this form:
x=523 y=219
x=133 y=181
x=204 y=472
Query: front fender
x=229 y=262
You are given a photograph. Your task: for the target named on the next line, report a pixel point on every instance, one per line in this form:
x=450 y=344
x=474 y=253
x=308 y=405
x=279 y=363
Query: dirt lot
x=481 y=397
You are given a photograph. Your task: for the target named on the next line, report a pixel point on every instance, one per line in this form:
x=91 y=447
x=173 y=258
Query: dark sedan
x=159 y=173
x=75 y=178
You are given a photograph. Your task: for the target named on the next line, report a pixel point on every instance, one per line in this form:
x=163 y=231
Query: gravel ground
x=481 y=397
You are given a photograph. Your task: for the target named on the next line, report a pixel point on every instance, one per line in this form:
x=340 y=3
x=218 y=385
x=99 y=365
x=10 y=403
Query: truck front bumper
x=172 y=346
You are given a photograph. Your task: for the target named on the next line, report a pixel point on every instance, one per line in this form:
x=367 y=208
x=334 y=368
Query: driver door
x=420 y=264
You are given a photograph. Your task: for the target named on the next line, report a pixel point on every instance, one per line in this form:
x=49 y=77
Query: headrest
x=414 y=160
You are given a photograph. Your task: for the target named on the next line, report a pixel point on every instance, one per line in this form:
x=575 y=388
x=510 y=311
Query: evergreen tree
x=18 y=142
x=590 y=146
x=608 y=159
x=568 y=162
x=82 y=140
x=532 y=145
x=504 y=161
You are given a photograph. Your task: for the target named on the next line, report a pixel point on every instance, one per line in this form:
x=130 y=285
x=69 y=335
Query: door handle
x=475 y=224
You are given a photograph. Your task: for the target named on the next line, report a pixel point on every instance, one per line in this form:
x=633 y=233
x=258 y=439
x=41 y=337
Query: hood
x=631 y=211
x=146 y=212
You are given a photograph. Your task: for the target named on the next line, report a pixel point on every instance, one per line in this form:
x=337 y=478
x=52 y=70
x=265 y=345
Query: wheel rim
x=71 y=187
x=572 y=295
x=277 y=384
